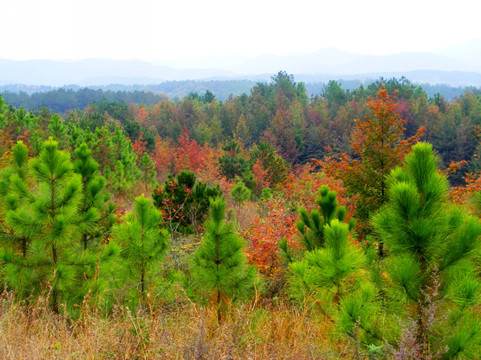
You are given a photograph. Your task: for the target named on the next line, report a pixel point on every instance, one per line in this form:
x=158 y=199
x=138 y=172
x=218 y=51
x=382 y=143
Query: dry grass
x=188 y=332
x=245 y=215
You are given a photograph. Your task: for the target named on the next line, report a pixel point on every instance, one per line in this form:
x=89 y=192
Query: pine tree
x=103 y=148
x=331 y=271
x=147 y=172
x=56 y=128
x=94 y=198
x=430 y=280
x=76 y=135
x=220 y=265
x=312 y=226
x=231 y=164
x=242 y=131
x=19 y=169
x=118 y=181
x=3 y=109
x=184 y=201
x=143 y=242
x=127 y=156
x=266 y=155
x=215 y=130
x=331 y=260
x=13 y=189
x=240 y=193
x=49 y=219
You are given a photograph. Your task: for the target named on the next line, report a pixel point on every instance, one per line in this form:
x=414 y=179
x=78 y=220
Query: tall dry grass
x=184 y=332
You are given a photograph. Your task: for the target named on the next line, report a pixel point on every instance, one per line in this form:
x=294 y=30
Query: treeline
x=449 y=92
x=178 y=89
x=72 y=97
x=75 y=97
x=62 y=100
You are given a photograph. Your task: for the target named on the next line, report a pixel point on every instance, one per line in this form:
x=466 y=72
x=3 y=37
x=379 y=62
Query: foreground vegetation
x=187 y=331
x=120 y=243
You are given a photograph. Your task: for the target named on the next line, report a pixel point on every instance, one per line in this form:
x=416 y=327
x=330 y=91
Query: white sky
x=163 y=30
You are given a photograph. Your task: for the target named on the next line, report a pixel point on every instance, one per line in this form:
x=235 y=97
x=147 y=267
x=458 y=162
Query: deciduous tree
x=378 y=146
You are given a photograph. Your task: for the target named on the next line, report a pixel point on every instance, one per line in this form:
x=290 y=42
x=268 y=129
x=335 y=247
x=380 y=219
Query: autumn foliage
x=172 y=157
x=378 y=146
x=279 y=216
x=264 y=235
x=289 y=215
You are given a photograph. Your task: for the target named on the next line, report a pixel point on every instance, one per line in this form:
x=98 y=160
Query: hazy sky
x=163 y=30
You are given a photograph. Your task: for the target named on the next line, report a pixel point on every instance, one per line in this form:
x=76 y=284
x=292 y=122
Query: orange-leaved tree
x=278 y=218
x=264 y=235
x=378 y=146
x=468 y=194
x=139 y=146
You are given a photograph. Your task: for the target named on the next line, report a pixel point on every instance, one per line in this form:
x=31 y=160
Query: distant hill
x=458 y=65
x=469 y=51
x=94 y=72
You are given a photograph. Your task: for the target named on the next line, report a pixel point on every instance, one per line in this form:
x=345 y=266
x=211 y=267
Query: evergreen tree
x=126 y=155
x=18 y=168
x=49 y=219
x=248 y=179
x=231 y=164
x=331 y=271
x=267 y=156
x=76 y=135
x=331 y=262
x=36 y=140
x=312 y=226
x=220 y=265
x=242 y=131
x=118 y=181
x=430 y=279
x=3 y=109
x=103 y=148
x=184 y=201
x=215 y=130
x=94 y=198
x=13 y=189
x=240 y=193
x=56 y=128
x=144 y=243
x=147 y=172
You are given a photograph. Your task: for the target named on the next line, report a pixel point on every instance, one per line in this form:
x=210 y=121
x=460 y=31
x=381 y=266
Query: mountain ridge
x=463 y=59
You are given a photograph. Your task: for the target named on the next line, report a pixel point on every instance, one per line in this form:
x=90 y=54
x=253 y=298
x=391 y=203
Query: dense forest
x=68 y=97
x=271 y=225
